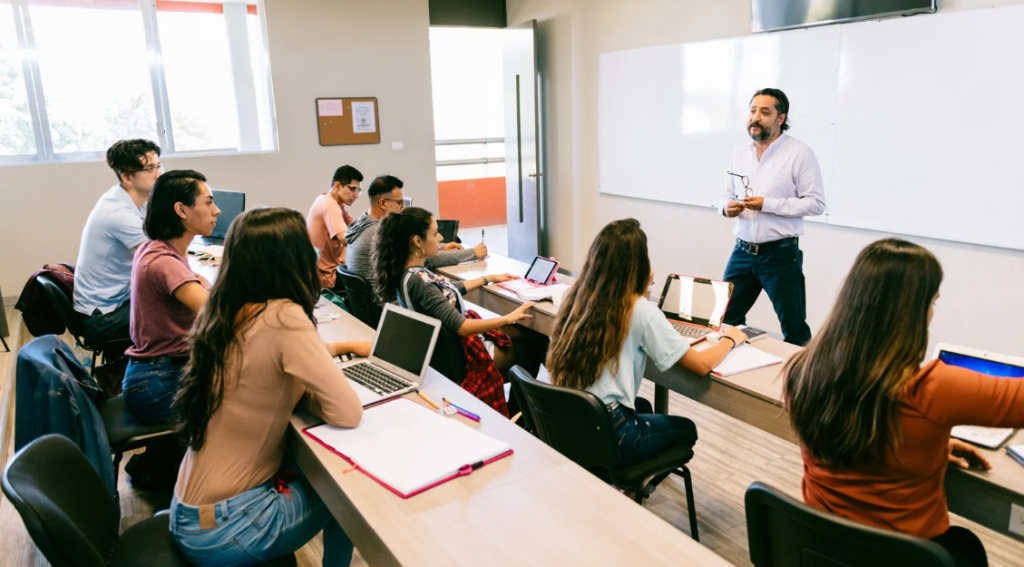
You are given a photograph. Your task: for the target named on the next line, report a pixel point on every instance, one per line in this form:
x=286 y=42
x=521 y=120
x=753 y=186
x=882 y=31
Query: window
x=78 y=75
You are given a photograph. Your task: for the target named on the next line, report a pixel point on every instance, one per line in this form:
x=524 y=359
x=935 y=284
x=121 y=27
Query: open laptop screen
x=231 y=204
x=449 y=229
x=990 y=367
x=695 y=300
x=403 y=341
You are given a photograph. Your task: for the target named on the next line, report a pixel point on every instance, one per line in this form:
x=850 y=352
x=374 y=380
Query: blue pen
x=465 y=411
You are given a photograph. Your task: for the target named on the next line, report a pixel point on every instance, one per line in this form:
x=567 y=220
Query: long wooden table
x=755 y=398
x=535 y=507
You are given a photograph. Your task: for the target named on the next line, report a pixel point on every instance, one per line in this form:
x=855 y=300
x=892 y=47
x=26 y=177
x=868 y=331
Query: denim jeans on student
x=149 y=390
x=259 y=525
x=99 y=328
x=641 y=433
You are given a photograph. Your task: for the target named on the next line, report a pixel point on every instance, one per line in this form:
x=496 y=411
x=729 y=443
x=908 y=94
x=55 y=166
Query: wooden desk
x=755 y=398
x=499 y=299
x=535 y=507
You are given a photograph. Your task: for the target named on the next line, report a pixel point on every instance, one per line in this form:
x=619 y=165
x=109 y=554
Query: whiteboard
x=913 y=120
x=670 y=117
x=930 y=136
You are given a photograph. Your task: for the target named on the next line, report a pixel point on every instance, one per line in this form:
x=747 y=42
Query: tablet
x=542 y=271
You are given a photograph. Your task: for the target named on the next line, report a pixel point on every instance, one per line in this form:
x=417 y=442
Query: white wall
x=981 y=303
x=317 y=48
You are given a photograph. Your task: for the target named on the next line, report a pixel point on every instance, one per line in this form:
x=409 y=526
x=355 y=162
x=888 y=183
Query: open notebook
x=743 y=358
x=409 y=448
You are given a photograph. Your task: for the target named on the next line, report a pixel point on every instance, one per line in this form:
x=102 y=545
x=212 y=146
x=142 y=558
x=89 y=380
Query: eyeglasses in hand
x=747 y=192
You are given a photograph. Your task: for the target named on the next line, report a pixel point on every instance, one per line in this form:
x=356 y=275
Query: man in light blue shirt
x=111 y=235
x=772 y=183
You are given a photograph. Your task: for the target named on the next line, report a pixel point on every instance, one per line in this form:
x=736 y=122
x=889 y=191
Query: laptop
x=542 y=272
x=695 y=306
x=449 y=229
x=399 y=357
x=231 y=204
x=987 y=363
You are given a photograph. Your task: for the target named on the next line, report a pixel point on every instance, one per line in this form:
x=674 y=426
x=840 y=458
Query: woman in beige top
x=254 y=355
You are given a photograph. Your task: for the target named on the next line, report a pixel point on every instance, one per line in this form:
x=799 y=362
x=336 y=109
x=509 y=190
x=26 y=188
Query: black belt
x=765 y=247
x=175 y=360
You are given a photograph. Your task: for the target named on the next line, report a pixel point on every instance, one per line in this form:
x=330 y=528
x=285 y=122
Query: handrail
x=468 y=141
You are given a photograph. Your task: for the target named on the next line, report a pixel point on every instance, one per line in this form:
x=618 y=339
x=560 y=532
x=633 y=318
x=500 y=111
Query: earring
x=419 y=252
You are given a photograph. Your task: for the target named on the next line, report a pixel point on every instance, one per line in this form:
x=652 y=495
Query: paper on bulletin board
x=363 y=119
x=330 y=107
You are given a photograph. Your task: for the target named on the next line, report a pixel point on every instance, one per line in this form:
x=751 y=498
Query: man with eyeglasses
x=386 y=197
x=112 y=233
x=772 y=183
x=328 y=219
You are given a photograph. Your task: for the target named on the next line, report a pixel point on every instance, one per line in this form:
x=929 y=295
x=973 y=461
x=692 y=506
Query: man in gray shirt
x=386 y=196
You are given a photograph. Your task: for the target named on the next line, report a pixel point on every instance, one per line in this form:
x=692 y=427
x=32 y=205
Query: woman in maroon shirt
x=873 y=424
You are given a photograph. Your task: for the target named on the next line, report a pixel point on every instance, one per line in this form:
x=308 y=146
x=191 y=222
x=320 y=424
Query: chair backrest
x=360 y=297
x=573 y=422
x=67 y=510
x=62 y=304
x=784 y=532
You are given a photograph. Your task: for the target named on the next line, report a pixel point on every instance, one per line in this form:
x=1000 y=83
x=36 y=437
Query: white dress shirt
x=788 y=177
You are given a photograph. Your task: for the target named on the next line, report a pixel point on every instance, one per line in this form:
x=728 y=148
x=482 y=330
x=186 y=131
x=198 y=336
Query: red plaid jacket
x=482 y=378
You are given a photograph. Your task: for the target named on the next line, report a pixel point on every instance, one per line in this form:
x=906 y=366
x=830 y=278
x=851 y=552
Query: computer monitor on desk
x=231 y=204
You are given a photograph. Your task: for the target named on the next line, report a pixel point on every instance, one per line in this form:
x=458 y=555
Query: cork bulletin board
x=344 y=121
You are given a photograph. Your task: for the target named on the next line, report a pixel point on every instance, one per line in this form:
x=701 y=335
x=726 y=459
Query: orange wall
x=474 y=202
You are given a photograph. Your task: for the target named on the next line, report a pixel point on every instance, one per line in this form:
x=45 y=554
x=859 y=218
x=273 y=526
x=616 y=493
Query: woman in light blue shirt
x=604 y=349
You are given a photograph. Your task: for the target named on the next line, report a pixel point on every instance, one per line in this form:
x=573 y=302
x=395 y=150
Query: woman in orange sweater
x=873 y=423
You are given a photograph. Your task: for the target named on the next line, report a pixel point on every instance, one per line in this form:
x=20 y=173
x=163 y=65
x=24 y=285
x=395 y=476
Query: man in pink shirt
x=328 y=219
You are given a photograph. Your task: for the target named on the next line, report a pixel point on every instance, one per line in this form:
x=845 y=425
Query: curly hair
x=392 y=250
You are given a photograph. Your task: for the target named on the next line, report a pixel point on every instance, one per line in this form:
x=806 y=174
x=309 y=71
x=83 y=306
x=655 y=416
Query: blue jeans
x=641 y=433
x=780 y=273
x=149 y=390
x=259 y=525
x=99 y=328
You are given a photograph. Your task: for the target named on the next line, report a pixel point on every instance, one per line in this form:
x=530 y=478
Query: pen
x=464 y=412
x=481 y=236
x=428 y=400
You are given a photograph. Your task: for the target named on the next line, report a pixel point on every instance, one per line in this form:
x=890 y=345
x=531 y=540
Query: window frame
x=241 y=59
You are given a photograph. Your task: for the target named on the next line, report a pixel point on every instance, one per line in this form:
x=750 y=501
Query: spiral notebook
x=409 y=448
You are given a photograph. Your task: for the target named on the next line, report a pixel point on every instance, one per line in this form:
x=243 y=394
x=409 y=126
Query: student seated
x=165 y=293
x=386 y=197
x=605 y=350
x=874 y=425
x=406 y=240
x=255 y=354
x=112 y=233
x=327 y=221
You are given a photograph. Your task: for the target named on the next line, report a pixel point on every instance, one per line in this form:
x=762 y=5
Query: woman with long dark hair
x=873 y=424
x=255 y=353
x=607 y=329
x=405 y=240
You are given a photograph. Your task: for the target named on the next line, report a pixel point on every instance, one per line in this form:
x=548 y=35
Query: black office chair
x=66 y=310
x=359 y=297
x=74 y=520
x=576 y=424
x=784 y=532
x=126 y=433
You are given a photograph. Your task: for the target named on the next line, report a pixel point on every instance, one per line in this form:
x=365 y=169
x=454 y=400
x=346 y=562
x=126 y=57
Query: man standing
x=111 y=235
x=772 y=183
x=328 y=219
x=386 y=197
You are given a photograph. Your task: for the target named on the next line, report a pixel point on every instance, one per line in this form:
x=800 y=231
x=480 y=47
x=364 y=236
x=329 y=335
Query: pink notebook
x=409 y=448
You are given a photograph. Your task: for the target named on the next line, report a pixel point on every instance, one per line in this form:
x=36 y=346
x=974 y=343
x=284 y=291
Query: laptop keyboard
x=374 y=378
x=690 y=331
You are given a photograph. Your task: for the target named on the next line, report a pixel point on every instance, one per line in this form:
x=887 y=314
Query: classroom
x=511 y=282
